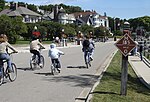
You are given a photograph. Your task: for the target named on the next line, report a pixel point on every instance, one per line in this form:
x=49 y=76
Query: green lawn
x=27 y=42
x=109 y=88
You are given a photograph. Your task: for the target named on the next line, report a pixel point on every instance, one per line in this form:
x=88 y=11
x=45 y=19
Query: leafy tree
x=46 y=7
x=2 y=4
x=70 y=31
x=101 y=31
x=19 y=27
x=32 y=7
x=140 y=22
x=5 y=24
x=86 y=29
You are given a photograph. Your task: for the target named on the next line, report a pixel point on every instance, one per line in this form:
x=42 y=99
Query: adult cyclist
x=35 y=46
x=88 y=46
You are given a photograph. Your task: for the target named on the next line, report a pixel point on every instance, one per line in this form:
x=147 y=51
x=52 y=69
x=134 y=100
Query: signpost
x=125 y=45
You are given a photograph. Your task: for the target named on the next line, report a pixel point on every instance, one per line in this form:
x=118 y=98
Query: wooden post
x=124 y=75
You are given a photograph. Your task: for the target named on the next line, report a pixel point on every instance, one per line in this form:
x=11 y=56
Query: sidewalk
x=26 y=47
x=141 y=69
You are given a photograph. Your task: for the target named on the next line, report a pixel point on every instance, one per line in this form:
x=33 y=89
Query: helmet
x=52 y=45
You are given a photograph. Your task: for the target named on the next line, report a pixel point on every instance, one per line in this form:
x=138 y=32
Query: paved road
x=41 y=86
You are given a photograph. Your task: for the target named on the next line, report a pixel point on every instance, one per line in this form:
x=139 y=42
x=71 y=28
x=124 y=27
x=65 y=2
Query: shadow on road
x=82 y=80
x=46 y=74
x=25 y=69
x=76 y=67
x=28 y=69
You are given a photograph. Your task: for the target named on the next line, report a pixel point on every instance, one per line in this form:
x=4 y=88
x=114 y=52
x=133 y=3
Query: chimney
x=16 y=6
x=56 y=13
x=26 y=6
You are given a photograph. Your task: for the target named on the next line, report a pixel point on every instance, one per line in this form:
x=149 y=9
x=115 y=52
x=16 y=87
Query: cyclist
x=35 y=46
x=88 y=46
x=54 y=54
x=4 y=45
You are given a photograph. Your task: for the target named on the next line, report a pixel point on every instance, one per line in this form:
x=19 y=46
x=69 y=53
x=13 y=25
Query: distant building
x=28 y=15
x=91 y=18
x=59 y=15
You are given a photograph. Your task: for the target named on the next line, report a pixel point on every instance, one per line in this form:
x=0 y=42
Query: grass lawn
x=109 y=88
x=27 y=42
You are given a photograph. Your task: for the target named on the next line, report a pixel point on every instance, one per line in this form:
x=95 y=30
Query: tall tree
x=2 y=4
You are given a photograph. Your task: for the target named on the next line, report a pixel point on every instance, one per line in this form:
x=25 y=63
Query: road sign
x=125 y=44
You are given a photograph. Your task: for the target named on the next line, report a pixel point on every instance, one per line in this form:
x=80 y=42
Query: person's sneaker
x=91 y=58
x=59 y=69
x=40 y=64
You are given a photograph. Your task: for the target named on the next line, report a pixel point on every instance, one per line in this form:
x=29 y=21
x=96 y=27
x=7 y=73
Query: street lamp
x=114 y=24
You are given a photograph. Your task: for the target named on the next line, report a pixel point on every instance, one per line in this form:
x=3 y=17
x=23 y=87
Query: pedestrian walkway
x=141 y=69
x=26 y=47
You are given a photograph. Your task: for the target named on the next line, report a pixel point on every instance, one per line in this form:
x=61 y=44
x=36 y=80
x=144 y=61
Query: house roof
x=5 y=11
x=77 y=14
x=25 y=11
x=14 y=13
x=18 y=12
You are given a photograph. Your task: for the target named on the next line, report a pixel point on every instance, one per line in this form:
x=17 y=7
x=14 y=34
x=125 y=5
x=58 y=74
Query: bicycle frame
x=34 y=62
x=12 y=75
x=54 y=68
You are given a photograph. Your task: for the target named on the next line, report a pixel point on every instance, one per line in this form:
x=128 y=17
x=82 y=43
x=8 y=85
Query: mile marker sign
x=125 y=44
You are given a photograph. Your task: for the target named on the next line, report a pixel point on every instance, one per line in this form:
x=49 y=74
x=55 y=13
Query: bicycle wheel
x=89 y=60
x=33 y=62
x=2 y=77
x=13 y=75
x=86 y=60
x=42 y=62
x=52 y=69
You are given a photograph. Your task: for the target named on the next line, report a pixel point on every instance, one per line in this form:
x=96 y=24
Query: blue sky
x=124 y=9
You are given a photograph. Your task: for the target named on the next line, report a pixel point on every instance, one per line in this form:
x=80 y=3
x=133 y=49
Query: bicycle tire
x=32 y=62
x=52 y=69
x=42 y=62
x=2 y=77
x=13 y=75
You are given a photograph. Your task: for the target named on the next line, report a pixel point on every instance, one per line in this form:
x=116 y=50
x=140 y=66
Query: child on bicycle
x=54 y=54
x=35 y=46
x=4 y=45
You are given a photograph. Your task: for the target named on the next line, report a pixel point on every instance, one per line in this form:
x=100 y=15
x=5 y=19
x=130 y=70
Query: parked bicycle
x=34 y=62
x=5 y=73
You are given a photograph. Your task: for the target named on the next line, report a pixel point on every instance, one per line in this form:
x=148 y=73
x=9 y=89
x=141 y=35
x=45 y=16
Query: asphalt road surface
x=41 y=86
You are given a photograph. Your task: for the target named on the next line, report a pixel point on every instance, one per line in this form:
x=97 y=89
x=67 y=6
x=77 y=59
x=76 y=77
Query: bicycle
x=87 y=59
x=55 y=66
x=34 y=62
x=5 y=72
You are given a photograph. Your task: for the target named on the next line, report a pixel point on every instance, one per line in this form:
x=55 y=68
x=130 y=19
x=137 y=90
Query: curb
x=138 y=75
x=86 y=94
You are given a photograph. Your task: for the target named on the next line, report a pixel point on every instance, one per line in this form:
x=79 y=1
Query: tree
x=19 y=27
x=32 y=7
x=140 y=22
x=5 y=24
x=2 y=4
x=101 y=31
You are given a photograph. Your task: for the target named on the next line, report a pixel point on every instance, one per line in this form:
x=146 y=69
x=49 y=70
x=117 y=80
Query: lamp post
x=114 y=24
x=63 y=38
x=104 y=35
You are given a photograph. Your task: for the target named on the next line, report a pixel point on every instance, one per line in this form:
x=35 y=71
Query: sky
x=124 y=9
